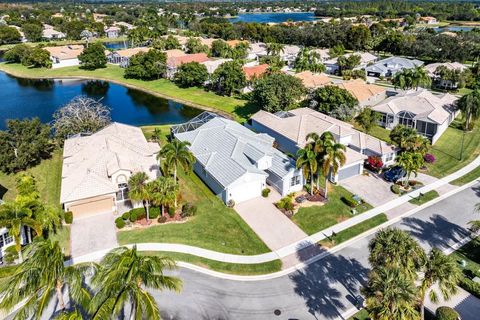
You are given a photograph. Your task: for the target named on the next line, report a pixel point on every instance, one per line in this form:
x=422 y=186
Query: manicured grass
x=196 y=97
x=316 y=218
x=423 y=198
x=232 y=268
x=214 y=227
x=354 y=231
x=48 y=175
x=469 y=177
x=470 y=253
x=377 y=132
x=63 y=237
x=447 y=150
x=360 y=315
x=148 y=132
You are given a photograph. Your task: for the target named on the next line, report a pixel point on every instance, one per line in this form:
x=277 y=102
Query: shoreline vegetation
x=199 y=98
x=5 y=47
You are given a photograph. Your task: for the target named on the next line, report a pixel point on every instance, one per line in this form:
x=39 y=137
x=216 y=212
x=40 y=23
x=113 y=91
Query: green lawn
x=240 y=269
x=214 y=227
x=469 y=177
x=447 y=150
x=148 y=132
x=377 y=132
x=316 y=218
x=360 y=315
x=470 y=253
x=62 y=42
x=196 y=97
x=354 y=231
x=423 y=198
x=48 y=176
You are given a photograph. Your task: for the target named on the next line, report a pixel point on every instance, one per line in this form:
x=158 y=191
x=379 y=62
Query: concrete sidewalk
x=467 y=305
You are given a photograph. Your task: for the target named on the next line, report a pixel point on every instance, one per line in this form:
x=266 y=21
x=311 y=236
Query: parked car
x=394 y=174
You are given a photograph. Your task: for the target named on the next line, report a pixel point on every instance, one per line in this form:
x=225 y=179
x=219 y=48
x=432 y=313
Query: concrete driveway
x=269 y=223
x=93 y=233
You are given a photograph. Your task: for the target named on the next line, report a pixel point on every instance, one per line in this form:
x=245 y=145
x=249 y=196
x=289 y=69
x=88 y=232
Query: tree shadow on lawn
x=326 y=285
x=246 y=110
x=436 y=232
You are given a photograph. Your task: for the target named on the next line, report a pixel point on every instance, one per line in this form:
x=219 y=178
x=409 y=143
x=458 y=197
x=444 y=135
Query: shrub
x=137 y=214
x=265 y=192
x=68 y=217
x=446 y=313
x=154 y=212
x=429 y=158
x=349 y=201
x=119 y=222
x=126 y=215
x=171 y=212
x=374 y=163
x=395 y=189
x=471 y=286
x=231 y=203
x=162 y=219
x=188 y=210
x=285 y=203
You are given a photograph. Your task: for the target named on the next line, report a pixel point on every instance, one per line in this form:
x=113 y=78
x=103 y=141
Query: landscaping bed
x=424 y=197
x=468 y=258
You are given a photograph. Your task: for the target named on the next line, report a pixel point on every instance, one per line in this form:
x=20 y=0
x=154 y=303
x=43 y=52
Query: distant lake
x=454 y=28
x=274 y=17
x=28 y=98
x=117 y=45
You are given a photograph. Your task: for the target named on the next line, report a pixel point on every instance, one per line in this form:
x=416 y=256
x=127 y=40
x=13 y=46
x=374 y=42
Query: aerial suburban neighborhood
x=240 y=160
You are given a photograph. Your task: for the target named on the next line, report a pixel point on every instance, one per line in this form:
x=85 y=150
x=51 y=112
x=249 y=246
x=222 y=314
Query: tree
x=172 y=43
x=194 y=45
x=469 y=104
x=277 y=91
x=412 y=78
x=122 y=280
x=446 y=313
x=228 y=78
x=42 y=276
x=219 y=48
x=9 y=35
x=307 y=161
x=333 y=159
x=139 y=189
x=37 y=58
x=411 y=162
x=348 y=62
x=401 y=134
x=239 y=51
x=138 y=36
x=275 y=49
x=80 y=115
x=367 y=119
x=336 y=51
x=329 y=98
x=17 y=53
x=33 y=31
x=176 y=154
x=309 y=60
x=358 y=37
x=93 y=57
x=147 y=65
x=164 y=192
x=192 y=74
x=24 y=144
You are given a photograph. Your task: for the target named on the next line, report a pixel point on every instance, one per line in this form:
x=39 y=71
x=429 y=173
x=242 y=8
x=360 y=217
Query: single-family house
x=256 y=51
x=98 y=17
x=430 y=114
x=253 y=72
x=212 y=65
x=290 y=129
x=428 y=20
x=174 y=62
x=96 y=168
x=367 y=94
x=49 y=33
x=122 y=57
x=113 y=32
x=390 y=66
x=125 y=25
x=444 y=83
x=289 y=53
x=312 y=80
x=366 y=58
x=235 y=162
x=65 y=56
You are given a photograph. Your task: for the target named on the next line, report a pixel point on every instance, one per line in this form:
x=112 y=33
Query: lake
x=117 y=45
x=27 y=98
x=454 y=29
x=274 y=17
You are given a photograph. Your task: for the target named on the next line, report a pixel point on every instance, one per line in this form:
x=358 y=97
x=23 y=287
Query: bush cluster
x=68 y=217
x=286 y=203
x=154 y=212
x=188 y=210
x=471 y=286
x=265 y=192
x=349 y=201
x=446 y=313
x=395 y=189
x=119 y=222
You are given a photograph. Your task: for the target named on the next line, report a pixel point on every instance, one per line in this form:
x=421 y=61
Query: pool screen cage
x=194 y=123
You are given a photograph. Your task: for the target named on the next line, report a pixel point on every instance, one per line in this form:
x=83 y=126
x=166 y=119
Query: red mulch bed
x=143 y=222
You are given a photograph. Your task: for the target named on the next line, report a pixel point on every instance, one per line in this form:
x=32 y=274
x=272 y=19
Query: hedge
x=171 y=212
x=349 y=201
x=68 y=217
x=471 y=286
x=119 y=222
x=137 y=214
x=154 y=212
x=446 y=313
x=265 y=192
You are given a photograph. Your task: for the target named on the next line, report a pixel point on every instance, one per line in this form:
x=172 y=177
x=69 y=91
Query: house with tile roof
x=96 y=168
x=122 y=57
x=65 y=56
x=430 y=114
x=235 y=162
x=174 y=62
x=290 y=129
x=312 y=80
x=367 y=94
x=437 y=81
x=390 y=66
x=366 y=58
x=113 y=32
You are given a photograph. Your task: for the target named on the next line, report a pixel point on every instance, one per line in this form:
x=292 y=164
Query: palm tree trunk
x=175 y=180
x=318 y=180
x=163 y=210
x=133 y=311
x=58 y=290
x=18 y=247
x=326 y=188
x=311 y=185
x=148 y=210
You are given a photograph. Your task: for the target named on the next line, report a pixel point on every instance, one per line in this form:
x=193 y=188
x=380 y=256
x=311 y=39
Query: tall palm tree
x=140 y=190
x=444 y=271
x=164 y=192
x=333 y=159
x=318 y=145
x=470 y=106
x=390 y=295
x=411 y=162
x=420 y=78
x=122 y=282
x=275 y=48
x=41 y=277
x=175 y=154
x=14 y=216
x=307 y=161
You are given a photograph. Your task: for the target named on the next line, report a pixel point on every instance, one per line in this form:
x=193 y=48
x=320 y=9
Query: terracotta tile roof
x=65 y=52
x=361 y=90
x=195 y=57
x=233 y=43
x=132 y=51
x=174 y=53
x=313 y=80
x=255 y=71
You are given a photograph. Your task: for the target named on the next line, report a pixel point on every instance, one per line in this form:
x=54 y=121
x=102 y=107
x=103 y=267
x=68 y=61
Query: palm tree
x=333 y=159
x=470 y=106
x=140 y=190
x=444 y=271
x=390 y=295
x=475 y=224
x=122 y=281
x=13 y=216
x=307 y=160
x=275 y=48
x=412 y=78
x=164 y=192
x=420 y=78
x=175 y=154
x=43 y=276
x=73 y=315
x=411 y=162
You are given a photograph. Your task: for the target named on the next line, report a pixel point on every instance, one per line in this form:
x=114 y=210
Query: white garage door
x=246 y=191
x=349 y=172
x=94 y=207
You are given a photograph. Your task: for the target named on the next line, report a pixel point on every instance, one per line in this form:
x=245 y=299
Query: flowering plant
x=429 y=158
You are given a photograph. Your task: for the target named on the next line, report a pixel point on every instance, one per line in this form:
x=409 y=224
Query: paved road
x=323 y=290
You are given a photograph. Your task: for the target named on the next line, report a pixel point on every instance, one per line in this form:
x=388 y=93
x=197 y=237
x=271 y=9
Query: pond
x=454 y=29
x=28 y=98
x=117 y=45
x=274 y=17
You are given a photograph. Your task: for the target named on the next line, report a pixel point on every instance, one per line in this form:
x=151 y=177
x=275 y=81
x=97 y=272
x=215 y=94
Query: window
x=389 y=157
x=295 y=181
x=122 y=193
x=407 y=119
